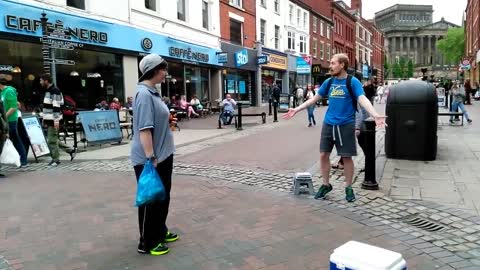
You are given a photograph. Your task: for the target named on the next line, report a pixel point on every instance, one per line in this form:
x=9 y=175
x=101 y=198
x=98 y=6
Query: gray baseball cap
x=149 y=62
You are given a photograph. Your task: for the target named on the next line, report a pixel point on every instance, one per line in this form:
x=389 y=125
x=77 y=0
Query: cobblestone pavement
x=83 y=220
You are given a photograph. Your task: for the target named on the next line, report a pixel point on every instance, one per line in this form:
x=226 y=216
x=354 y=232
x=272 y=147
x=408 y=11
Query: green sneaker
x=349 y=195
x=159 y=250
x=171 y=237
x=322 y=191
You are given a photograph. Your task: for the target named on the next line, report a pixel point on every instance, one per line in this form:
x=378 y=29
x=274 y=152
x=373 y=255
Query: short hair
x=46 y=77
x=342 y=59
x=151 y=73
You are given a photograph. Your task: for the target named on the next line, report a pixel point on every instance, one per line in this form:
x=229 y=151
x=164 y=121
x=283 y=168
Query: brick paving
x=83 y=220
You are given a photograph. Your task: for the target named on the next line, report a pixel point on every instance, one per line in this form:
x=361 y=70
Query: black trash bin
x=412 y=110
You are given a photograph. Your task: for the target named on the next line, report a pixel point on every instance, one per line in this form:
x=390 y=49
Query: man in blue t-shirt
x=339 y=124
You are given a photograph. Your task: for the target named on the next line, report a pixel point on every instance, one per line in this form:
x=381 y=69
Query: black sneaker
x=322 y=191
x=469 y=121
x=53 y=163
x=309 y=124
x=161 y=249
x=314 y=122
x=141 y=248
x=171 y=237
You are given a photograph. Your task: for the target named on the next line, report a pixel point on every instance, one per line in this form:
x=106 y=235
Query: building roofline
x=344 y=11
x=402 y=6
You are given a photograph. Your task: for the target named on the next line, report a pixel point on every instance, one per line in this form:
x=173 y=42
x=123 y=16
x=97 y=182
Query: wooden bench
x=263 y=115
x=460 y=114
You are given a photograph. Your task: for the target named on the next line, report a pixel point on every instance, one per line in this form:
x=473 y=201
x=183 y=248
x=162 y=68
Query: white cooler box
x=358 y=256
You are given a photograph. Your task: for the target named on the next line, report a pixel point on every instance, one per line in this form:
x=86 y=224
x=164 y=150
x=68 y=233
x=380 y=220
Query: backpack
x=350 y=90
x=69 y=106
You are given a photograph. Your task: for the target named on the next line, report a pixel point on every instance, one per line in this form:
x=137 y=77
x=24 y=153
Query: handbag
x=9 y=155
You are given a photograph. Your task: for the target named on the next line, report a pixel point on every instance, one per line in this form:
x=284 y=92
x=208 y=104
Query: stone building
x=410 y=32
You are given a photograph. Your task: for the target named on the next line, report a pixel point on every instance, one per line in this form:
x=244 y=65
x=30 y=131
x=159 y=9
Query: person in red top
x=115 y=105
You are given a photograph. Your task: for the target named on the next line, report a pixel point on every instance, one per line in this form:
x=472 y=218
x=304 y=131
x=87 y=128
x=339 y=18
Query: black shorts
x=343 y=137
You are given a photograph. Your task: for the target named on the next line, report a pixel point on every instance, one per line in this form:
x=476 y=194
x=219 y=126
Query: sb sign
x=241 y=58
x=262 y=60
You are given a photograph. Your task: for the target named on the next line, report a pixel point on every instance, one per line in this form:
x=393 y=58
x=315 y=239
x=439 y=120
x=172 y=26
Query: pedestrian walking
x=311 y=109
x=153 y=140
x=380 y=91
x=300 y=96
x=343 y=92
x=10 y=101
x=3 y=131
x=459 y=97
x=52 y=115
x=468 y=92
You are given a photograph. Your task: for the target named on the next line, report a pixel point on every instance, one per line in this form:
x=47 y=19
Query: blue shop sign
x=24 y=19
x=302 y=66
x=365 y=71
x=241 y=58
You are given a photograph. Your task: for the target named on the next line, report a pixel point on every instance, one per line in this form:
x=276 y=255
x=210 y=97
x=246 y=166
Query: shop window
x=277 y=37
x=205 y=11
x=80 y=4
x=94 y=77
x=236 y=32
x=262 y=31
x=181 y=10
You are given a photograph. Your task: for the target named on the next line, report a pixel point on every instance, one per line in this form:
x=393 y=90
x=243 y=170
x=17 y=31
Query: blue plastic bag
x=150 y=187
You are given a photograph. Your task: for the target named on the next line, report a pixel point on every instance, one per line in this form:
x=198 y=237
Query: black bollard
x=239 y=116
x=275 y=107
x=270 y=106
x=370 y=181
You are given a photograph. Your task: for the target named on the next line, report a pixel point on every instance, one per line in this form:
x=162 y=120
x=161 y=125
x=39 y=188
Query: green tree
x=397 y=70
x=410 y=68
x=403 y=67
x=386 y=69
x=453 y=45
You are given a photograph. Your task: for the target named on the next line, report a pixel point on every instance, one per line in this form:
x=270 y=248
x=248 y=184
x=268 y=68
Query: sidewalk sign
x=101 y=126
x=35 y=136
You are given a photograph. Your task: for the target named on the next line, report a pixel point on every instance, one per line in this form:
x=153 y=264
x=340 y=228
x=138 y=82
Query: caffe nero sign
x=33 y=25
x=188 y=54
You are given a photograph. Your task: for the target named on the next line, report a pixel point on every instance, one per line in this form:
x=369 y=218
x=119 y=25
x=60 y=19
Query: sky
x=451 y=10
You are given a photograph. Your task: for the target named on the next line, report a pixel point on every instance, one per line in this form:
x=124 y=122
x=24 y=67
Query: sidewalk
x=453 y=179
x=79 y=220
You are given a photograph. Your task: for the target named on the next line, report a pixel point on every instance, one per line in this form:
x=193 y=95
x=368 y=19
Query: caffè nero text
x=30 y=25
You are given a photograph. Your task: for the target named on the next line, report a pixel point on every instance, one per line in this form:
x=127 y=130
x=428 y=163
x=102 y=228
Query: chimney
x=357 y=5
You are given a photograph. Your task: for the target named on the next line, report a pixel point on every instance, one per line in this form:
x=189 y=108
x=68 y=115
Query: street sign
x=262 y=60
x=60 y=61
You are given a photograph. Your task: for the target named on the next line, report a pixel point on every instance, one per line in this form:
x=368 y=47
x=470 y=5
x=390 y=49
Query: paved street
x=80 y=215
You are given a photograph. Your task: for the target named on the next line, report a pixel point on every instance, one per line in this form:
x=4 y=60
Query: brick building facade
x=244 y=16
x=343 y=31
x=472 y=39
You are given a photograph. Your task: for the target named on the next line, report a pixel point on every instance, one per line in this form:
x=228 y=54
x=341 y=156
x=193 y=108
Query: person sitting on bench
x=459 y=96
x=228 y=109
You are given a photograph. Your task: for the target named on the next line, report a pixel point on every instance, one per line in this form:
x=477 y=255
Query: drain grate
x=423 y=223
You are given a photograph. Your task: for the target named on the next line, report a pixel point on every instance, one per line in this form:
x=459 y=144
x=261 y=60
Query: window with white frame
x=322 y=50
x=314 y=47
x=236 y=30
x=314 y=24
x=263 y=3
x=303 y=44
x=299 y=16
x=80 y=4
x=328 y=31
x=290 y=14
x=277 y=37
x=367 y=59
x=291 y=41
x=276 y=6
x=358 y=31
x=181 y=14
x=263 y=25
x=328 y=52
x=205 y=16
x=321 y=28
x=361 y=55
x=237 y=3
x=305 y=20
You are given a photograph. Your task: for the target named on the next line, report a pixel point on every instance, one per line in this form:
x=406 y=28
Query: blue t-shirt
x=340 y=104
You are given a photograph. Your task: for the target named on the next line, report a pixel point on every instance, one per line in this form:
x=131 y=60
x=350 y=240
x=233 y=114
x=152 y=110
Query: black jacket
x=3 y=120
